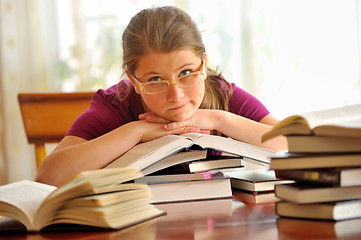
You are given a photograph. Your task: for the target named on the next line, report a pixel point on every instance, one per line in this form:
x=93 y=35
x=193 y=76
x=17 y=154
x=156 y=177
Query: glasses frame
x=202 y=73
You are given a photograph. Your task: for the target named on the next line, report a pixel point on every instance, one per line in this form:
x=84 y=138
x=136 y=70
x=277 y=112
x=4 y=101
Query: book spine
x=322 y=177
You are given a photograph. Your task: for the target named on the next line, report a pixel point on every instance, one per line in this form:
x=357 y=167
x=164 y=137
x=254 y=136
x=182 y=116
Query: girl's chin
x=178 y=117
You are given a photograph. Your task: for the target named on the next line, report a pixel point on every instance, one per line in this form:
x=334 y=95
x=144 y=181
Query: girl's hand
x=202 y=120
x=151 y=131
x=152 y=118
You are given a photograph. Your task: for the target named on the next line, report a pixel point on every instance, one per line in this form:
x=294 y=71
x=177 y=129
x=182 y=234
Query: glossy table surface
x=216 y=219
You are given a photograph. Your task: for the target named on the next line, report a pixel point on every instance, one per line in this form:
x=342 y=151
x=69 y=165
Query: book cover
x=323 y=144
x=341 y=210
x=255 y=180
x=255 y=197
x=196 y=209
x=286 y=160
x=338 y=177
x=306 y=193
x=217 y=186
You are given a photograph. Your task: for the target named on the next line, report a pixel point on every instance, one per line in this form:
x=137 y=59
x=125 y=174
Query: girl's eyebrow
x=179 y=68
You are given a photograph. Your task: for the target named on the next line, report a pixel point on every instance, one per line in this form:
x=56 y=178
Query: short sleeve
x=246 y=105
x=106 y=113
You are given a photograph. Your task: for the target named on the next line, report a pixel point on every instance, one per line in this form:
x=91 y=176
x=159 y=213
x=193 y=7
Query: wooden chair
x=47 y=117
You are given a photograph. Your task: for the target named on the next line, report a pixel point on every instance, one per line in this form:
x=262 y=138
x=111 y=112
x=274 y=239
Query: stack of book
x=324 y=159
x=255 y=186
x=180 y=168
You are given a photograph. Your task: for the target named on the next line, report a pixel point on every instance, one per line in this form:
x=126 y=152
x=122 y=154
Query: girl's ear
x=205 y=58
x=134 y=83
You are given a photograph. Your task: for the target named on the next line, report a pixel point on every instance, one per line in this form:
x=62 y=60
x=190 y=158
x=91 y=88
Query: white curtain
x=26 y=53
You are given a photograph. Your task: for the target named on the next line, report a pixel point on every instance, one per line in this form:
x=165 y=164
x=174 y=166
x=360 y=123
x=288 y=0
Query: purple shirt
x=107 y=113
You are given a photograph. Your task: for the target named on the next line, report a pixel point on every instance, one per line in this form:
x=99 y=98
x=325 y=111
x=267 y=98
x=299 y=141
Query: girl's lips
x=179 y=107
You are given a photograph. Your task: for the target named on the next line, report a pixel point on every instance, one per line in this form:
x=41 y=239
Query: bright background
x=294 y=55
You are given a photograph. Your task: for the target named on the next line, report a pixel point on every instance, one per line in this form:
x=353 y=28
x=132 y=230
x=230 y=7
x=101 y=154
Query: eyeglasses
x=162 y=86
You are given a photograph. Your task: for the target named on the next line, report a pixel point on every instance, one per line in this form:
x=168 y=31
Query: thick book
x=286 y=160
x=302 y=193
x=317 y=229
x=98 y=198
x=338 y=177
x=343 y=121
x=213 y=162
x=322 y=144
x=221 y=162
x=149 y=154
x=196 y=209
x=214 y=186
x=255 y=180
x=341 y=210
x=255 y=197
x=178 y=177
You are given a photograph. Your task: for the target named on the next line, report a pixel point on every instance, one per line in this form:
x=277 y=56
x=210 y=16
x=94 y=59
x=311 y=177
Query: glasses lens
x=189 y=80
x=156 y=87
x=183 y=82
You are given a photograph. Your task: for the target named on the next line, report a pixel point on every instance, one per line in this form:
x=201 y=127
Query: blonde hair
x=165 y=29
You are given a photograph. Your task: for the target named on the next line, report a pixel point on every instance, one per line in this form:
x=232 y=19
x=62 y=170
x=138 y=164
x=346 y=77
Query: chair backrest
x=47 y=117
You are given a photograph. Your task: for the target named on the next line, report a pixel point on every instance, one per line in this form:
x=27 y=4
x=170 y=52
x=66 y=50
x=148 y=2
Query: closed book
x=341 y=210
x=286 y=160
x=218 y=186
x=340 y=177
x=196 y=209
x=255 y=197
x=322 y=144
x=254 y=180
x=220 y=162
x=302 y=193
x=150 y=179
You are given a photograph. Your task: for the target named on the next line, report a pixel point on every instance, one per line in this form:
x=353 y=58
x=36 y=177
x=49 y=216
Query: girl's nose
x=175 y=93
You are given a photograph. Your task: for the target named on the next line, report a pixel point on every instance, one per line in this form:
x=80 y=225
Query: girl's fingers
x=205 y=131
x=175 y=125
x=151 y=117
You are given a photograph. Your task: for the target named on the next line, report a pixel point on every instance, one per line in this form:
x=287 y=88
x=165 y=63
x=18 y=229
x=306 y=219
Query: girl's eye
x=185 y=72
x=154 y=79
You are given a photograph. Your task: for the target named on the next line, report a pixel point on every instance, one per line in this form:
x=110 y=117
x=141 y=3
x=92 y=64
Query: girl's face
x=175 y=104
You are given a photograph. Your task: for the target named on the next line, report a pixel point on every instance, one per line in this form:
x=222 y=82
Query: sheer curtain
x=27 y=51
x=295 y=56
x=305 y=54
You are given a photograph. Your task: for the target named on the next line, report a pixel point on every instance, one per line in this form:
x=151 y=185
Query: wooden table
x=216 y=219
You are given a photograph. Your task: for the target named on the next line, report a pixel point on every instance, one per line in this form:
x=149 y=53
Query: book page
x=174 y=159
x=349 y=116
x=147 y=153
x=229 y=145
x=26 y=196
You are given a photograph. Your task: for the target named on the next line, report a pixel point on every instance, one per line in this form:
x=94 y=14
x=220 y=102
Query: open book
x=169 y=150
x=343 y=121
x=97 y=198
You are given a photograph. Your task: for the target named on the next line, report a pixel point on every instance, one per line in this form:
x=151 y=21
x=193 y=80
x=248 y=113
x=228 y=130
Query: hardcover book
x=326 y=211
x=302 y=193
x=338 y=177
